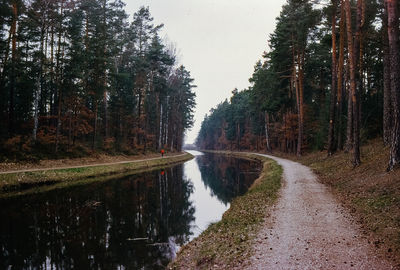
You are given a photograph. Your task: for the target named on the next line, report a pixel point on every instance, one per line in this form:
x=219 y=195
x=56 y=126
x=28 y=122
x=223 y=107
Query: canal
x=136 y=222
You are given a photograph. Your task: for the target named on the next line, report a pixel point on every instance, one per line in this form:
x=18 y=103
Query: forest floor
x=23 y=178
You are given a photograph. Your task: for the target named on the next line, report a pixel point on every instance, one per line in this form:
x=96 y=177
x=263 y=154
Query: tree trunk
x=105 y=92
x=387 y=96
x=95 y=125
x=267 y=140
x=301 y=102
x=340 y=125
x=393 y=35
x=332 y=109
x=340 y=76
x=353 y=89
x=12 y=79
x=7 y=51
x=58 y=83
x=160 y=135
x=105 y=119
x=39 y=82
x=349 y=129
x=358 y=57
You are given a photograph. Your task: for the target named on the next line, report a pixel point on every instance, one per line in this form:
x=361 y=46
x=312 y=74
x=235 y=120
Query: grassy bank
x=228 y=243
x=13 y=184
x=371 y=194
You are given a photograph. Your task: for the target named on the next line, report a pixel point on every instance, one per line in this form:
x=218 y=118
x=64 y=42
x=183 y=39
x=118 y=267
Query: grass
x=14 y=184
x=228 y=242
x=370 y=193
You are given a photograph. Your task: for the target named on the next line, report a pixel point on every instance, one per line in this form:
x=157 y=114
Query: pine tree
x=393 y=36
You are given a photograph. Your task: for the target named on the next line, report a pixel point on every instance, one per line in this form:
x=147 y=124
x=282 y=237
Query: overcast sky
x=218 y=41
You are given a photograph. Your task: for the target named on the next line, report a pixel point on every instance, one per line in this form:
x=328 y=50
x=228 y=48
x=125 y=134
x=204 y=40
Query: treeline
x=330 y=81
x=76 y=77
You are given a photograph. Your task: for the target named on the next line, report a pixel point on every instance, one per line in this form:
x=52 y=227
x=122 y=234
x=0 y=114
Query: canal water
x=136 y=222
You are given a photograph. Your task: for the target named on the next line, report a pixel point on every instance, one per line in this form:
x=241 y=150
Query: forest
x=329 y=81
x=78 y=77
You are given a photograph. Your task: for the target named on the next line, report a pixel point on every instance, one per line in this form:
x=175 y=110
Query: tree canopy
x=77 y=76
x=329 y=81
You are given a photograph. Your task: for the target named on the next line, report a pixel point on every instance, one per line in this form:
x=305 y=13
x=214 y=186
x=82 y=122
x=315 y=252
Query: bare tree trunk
x=7 y=51
x=95 y=125
x=340 y=75
x=332 y=109
x=39 y=82
x=340 y=125
x=105 y=92
x=350 y=61
x=349 y=129
x=59 y=94
x=12 y=79
x=105 y=104
x=353 y=89
x=393 y=35
x=160 y=135
x=358 y=57
x=301 y=103
x=267 y=140
x=167 y=123
x=387 y=95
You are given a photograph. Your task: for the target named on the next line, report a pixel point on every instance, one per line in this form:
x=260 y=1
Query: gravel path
x=308 y=229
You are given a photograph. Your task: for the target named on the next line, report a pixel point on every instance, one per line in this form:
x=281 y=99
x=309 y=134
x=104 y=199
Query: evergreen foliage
x=77 y=77
x=287 y=106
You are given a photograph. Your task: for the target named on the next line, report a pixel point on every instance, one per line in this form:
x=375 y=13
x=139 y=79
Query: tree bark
x=13 y=62
x=353 y=89
x=39 y=82
x=349 y=129
x=393 y=36
x=267 y=140
x=301 y=103
x=340 y=75
x=358 y=57
x=387 y=95
x=332 y=109
x=105 y=92
x=59 y=92
x=95 y=125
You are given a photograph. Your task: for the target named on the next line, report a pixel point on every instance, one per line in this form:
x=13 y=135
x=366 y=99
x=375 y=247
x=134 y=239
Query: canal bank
x=14 y=183
x=228 y=243
x=137 y=221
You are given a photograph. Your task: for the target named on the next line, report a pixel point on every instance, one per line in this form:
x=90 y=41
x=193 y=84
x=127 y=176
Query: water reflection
x=231 y=178
x=137 y=222
x=133 y=222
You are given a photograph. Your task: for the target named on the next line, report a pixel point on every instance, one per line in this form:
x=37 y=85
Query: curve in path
x=307 y=229
x=88 y=165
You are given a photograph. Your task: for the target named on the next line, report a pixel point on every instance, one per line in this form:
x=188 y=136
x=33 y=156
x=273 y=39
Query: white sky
x=218 y=41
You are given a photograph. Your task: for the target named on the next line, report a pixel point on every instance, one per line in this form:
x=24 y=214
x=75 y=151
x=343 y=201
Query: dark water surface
x=137 y=222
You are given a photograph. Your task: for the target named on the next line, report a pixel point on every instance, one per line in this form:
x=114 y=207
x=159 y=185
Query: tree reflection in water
x=135 y=222
x=231 y=178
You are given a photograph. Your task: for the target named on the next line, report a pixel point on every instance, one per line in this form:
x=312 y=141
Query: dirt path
x=87 y=165
x=308 y=229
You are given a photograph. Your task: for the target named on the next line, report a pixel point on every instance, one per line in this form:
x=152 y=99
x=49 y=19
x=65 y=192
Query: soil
x=308 y=229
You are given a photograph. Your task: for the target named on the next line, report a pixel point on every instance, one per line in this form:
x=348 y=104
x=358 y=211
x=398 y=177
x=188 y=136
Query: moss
x=228 y=242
